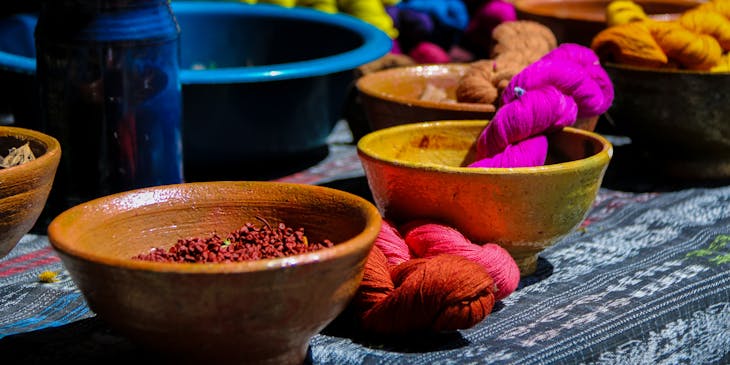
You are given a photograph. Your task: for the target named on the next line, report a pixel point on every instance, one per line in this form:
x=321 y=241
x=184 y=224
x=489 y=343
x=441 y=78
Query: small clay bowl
x=578 y=21
x=392 y=97
x=416 y=171
x=261 y=311
x=24 y=188
x=679 y=117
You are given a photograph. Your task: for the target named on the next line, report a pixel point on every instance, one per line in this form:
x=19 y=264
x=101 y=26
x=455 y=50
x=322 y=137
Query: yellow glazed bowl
x=415 y=171
x=261 y=311
x=24 y=188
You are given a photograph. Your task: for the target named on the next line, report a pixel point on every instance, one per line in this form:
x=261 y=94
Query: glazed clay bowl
x=578 y=21
x=261 y=311
x=679 y=117
x=24 y=188
x=393 y=97
x=416 y=171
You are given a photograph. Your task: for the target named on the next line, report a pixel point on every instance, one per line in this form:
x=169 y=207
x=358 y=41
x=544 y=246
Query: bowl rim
x=598 y=159
x=363 y=240
x=527 y=7
x=363 y=85
x=375 y=44
x=52 y=152
x=662 y=71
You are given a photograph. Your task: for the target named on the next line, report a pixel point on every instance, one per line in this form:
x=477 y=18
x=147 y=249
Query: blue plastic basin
x=272 y=86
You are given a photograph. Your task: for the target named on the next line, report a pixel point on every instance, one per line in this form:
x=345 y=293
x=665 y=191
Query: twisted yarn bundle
x=565 y=84
x=431 y=278
x=696 y=41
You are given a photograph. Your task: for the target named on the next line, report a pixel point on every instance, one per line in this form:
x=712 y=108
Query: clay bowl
x=578 y=21
x=24 y=188
x=392 y=97
x=678 y=117
x=261 y=311
x=415 y=171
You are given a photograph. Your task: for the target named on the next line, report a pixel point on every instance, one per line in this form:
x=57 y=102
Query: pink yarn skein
x=565 y=84
x=425 y=239
x=428 y=239
x=427 y=52
x=390 y=242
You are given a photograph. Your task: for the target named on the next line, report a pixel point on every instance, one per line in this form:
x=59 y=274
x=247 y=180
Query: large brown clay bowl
x=417 y=171
x=578 y=21
x=24 y=188
x=680 y=118
x=393 y=96
x=261 y=311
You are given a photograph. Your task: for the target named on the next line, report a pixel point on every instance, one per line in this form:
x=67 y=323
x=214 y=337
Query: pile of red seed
x=246 y=243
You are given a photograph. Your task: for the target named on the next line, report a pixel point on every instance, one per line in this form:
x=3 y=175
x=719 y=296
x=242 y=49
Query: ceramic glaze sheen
x=110 y=92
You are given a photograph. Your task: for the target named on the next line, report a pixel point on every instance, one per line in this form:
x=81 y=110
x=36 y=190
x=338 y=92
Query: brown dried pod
x=531 y=39
x=476 y=85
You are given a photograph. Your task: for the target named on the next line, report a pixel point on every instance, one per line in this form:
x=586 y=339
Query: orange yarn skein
x=419 y=294
x=710 y=23
x=691 y=50
x=695 y=41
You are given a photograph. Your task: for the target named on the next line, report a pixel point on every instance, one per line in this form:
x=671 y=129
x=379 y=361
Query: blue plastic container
x=272 y=85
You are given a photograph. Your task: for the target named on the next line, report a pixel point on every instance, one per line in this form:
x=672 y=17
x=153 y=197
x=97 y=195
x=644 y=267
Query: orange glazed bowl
x=416 y=171
x=260 y=311
x=24 y=188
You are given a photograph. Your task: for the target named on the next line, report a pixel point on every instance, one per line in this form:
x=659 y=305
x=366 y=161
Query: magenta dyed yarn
x=428 y=239
x=427 y=52
x=485 y=19
x=536 y=112
x=526 y=153
x=566 y=84
x=575 y=71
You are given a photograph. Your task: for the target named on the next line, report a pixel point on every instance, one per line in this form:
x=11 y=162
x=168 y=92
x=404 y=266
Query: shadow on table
x=86 y=341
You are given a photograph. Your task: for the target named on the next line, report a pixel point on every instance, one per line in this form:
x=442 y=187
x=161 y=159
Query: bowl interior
x=406 y=84
x=113 y=229
x=229 y=39
x=451 y=146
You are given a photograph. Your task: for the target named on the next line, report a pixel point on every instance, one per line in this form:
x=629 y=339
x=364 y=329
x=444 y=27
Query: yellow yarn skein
x=723 y=65
x=710 y=23
x=624 y=11
x=284 y=3
x=370 y=11
x=691 y=50
x=719 y=6
x=327 y=6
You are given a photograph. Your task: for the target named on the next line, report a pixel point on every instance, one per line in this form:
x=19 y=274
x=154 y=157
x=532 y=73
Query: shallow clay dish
x=24 y=188
x=393 y=96
x=261 y=311
x=578 y=21
x=680 y=118
x=415 y=171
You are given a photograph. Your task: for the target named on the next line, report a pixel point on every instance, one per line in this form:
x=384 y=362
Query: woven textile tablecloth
x=645 y=280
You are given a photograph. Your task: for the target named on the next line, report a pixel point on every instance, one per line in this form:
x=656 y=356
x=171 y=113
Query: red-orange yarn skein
x=442 y=293
x=428 y=239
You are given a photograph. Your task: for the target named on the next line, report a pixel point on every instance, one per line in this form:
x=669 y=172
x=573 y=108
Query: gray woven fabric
x=647 y=281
